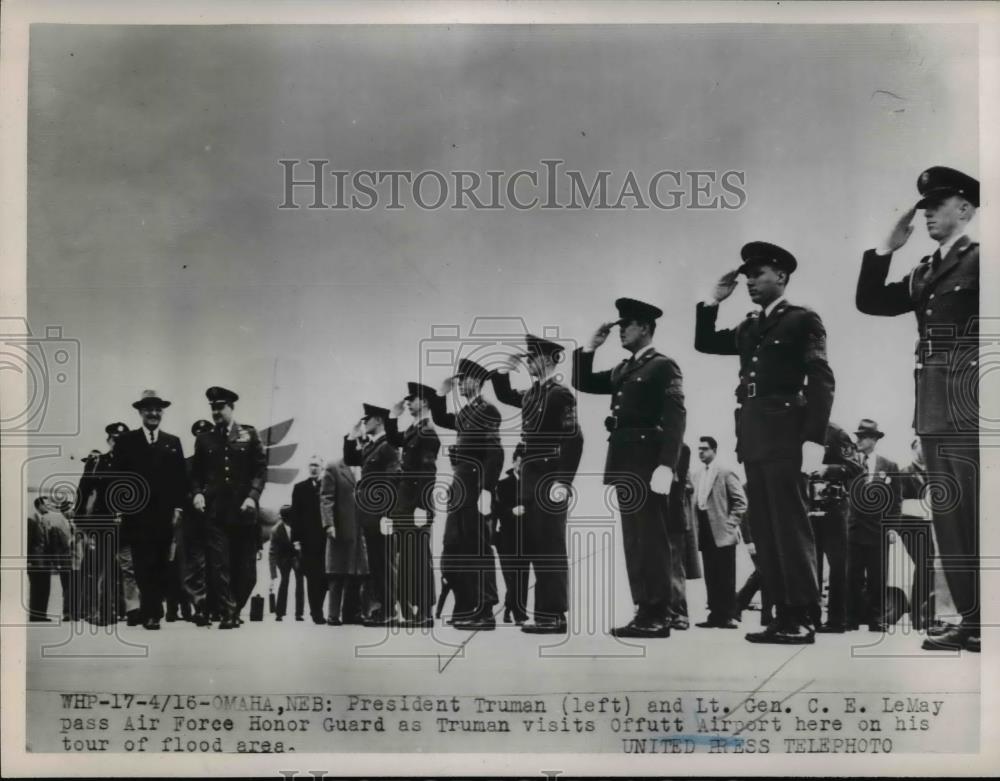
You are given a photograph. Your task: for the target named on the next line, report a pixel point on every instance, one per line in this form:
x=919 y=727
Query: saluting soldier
x=414 y=512
x=646 y=431
x=228 y=475
x=943 y=292
x=376 y=498
x=785 y=395
x=476 y=459
x=553 y=445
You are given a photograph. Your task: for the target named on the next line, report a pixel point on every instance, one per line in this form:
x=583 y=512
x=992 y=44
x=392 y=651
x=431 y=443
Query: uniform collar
x=946 y=246
x=639 y=353
x=767 y=310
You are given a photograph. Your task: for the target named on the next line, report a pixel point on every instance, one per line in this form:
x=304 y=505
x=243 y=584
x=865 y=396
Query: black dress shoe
x=680 y=623
x=171 y=618
x=878 y=627
x=278 y=618
x=354 y=620
x=938 y=628
x=764 y=635
x=954 y=639
x=377 y=620
x=298 y=618
x=151 y=623
x=200 y=619
x=972 y=644
x=318 y=620
x=707 y=624
x=133 y=618
x=477 y=624
x=728 y=623
x=643 y=628
x=332 y=621
x=831 y=629
x=227 y=623
x=789 y=634
x=546 y=626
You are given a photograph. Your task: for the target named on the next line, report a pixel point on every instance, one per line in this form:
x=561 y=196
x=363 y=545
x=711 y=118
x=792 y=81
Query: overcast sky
x=155 y=238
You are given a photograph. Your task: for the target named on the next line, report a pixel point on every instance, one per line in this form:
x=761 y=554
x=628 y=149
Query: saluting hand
x=901 y=230
x=725 y=286
x=397 y=409
x=600 y=335
x=446 y=386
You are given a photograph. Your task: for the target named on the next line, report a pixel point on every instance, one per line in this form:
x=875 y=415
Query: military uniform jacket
x=553 y=442
x=377 y=490
x=946 y=304
x=161 y=469
x=647 y=412
x=477 y=456
x=228 y=468
x=420 y=446
x=92 y=493
x=786 y=385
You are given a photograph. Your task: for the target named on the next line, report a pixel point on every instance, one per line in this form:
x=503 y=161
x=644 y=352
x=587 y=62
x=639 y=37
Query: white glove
x=812 y=457
x=385 y=526
x=662 y=479
x=420 y=516
x=485 y=502
x=518 y=511
x=558 y=492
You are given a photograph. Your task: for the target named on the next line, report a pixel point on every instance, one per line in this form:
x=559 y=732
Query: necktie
x=152 y=437
x=936 y=260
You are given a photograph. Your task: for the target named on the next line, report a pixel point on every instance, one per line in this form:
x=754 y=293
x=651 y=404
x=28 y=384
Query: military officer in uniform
x=553 y=445
x=192 y=554
x=375 y=496
x=228 y=476
x=646 y=428
x=414 y=507
x=785 y=395
x=467 y=559
x=943 y=292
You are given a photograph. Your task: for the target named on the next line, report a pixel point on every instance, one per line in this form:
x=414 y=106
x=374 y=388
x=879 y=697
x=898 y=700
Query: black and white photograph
x=526 y=388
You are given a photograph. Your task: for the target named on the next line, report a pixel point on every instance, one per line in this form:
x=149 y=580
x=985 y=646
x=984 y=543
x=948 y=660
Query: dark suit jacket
x=874 y=500
x=553 y=442
x=376 y=492
x=92 y=491
x=786 y=385
x=160 y=468
x=946 y=304
x=346 y=554
x=229 y=468
x=420 y=446
x=282 y=553
x=306 y=520
x=647 y=412
x=477 y=456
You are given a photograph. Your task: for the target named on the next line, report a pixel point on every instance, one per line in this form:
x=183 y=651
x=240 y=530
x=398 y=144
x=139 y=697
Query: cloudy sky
x=155 y=237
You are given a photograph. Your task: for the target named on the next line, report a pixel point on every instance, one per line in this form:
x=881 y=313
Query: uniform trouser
x=678 y=576
x=866 y=581
x=545 y=531
x=720 y=572
x=177 y=596
x=648 y=555
x=345 y=596
x=953 y=462
x=786 y=551
x=99 y=573
x=746 y=593
x=412 y=545
x=232 y=564
x=918 y=539
x=830 y=533
x=287 y=570
x=151 y=558
x=380 y=589
x=127 y=582
x=515 y=565
x=314 y=570
x=39 y=589
x=468 y=563
x=191 y=556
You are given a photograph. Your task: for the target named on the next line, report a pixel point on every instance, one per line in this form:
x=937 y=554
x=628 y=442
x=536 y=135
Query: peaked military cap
x=414 y=390
x=285 y=512
x=868 y=428
x=371 y=411
x=215 y=393
x=467 y=368
x=937 y=183
x=631 y=309
x=758 y=253
x=150 y=398
x=115 y=429
x=536 y=345
x=201 y=427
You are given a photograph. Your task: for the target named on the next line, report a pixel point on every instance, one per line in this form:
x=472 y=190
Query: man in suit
x=785 y=395
x=283 y=558
x=681 y=526
x=467 y=559
x=228 y=475
x=376 y=495
x=874 y=496
x=414 y=511
x=192 y=552
x=156 y=458
x=310 y=538
x=719 y=504
x=508 y=534
x=646 y=428
x=346 y=556
x=943 y=292
x=553 y=445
